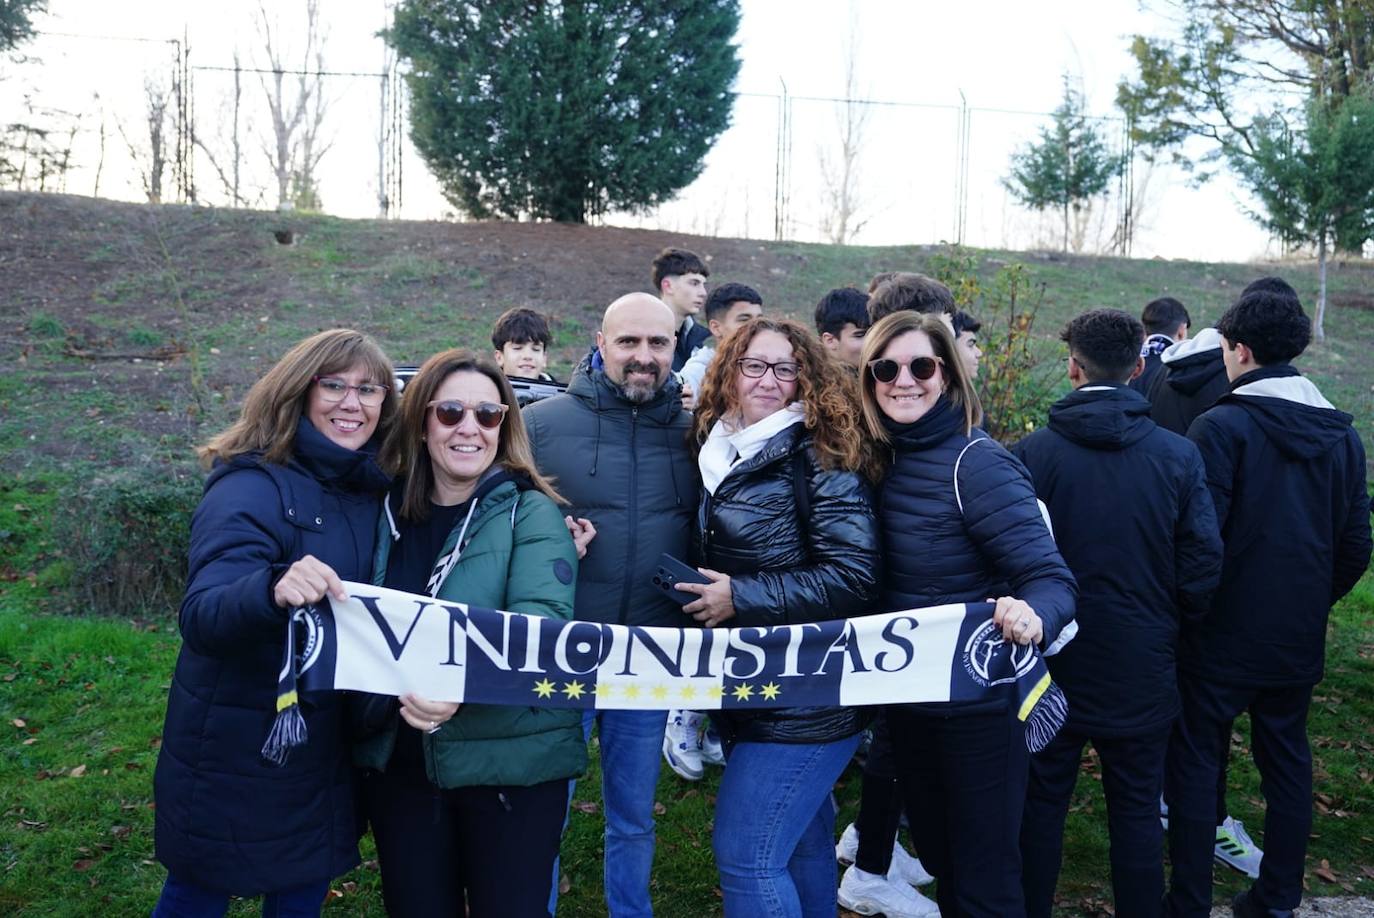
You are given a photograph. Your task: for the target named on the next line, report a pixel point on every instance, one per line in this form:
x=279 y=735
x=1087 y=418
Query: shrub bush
x=126 y=535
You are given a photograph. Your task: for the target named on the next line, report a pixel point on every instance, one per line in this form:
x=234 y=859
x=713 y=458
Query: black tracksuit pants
x=963 y=777
x=880 y=803
x=1132 y=775
x=1278 y=740
x=489 y=848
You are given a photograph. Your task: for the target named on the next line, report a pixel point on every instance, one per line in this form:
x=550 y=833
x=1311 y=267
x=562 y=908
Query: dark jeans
x=186 y=900
x=1132 y=775
x=1278 y=740
x=963 y=776
x=880 y=803
x=492 y=848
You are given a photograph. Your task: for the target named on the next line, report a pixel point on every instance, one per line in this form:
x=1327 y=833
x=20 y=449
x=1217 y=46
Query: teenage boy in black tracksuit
x=1287 y=475
x=1134 y=521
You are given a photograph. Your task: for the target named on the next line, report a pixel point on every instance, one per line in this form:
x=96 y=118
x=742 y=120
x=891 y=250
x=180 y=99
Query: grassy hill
x=128 y=333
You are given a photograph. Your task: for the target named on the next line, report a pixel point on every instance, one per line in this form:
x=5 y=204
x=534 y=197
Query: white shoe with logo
x=1235 y=848
x=682 y=744
x=869 y=894
x=712 y=752
x=904 y=869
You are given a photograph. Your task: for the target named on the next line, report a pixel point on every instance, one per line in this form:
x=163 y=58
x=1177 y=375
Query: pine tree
x=1315 y=184
x=1067 y=167
x=566 y=110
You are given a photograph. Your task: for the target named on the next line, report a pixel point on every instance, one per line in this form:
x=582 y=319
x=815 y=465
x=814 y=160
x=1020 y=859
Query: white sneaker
x=869 y=894
x=847 y=848
x=1235 y=848
x=906 y=868
x=712 y=752
x=682 y=745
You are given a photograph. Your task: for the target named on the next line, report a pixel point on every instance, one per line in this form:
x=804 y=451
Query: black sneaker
x=1243 y=907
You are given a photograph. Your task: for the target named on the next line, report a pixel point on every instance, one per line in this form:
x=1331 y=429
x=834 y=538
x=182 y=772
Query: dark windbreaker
x=1133 y=519
x=1287 y=475
x=1192 y=379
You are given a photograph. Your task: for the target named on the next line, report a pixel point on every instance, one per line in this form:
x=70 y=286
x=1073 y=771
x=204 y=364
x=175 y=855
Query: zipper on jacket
x=634 y=508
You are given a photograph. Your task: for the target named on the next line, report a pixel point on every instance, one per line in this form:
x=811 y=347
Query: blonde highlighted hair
x=405 y=456
x=273 y=407
x=959 y=385
x=825 y=389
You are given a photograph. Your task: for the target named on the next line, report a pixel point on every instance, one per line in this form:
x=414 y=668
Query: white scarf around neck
x=728 y=444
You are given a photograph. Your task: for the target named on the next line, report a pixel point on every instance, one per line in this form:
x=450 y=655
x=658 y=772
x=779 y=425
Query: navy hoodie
x=1135 y=524
x=1192 y=379
x=1287 y=475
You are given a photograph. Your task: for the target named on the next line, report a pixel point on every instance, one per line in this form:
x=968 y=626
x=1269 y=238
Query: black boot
x=1243 y=906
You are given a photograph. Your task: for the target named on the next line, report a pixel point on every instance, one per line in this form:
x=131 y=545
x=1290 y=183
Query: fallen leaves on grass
x=587 y=806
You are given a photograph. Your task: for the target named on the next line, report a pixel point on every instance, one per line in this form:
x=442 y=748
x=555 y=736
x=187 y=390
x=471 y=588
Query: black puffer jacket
x=626 y=468
x=934 y=553
x=226 y=819
x=1193 y=378
x=1134 y=520
x=786 y=570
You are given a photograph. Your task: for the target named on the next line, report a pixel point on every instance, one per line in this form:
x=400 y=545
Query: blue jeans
x=774 y=838
x=631 y=751
x=186 y=900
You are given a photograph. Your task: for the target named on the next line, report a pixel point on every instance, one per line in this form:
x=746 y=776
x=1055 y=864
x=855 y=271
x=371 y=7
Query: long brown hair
x=404 y=454
x=960 y=391
x=825 y=389
x=273 y=407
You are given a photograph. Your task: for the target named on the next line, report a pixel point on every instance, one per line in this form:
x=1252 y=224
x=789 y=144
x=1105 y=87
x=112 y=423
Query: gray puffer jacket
x=625 y=467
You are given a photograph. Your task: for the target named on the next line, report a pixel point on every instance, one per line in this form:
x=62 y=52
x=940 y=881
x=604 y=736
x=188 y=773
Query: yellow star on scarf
x=688 y=692
x=715 y=692
x=742 y=692
x=573 y=689
x=544 y=688
x=771 y=690
x=631 y=691
x=660 y=692
x=603 y=689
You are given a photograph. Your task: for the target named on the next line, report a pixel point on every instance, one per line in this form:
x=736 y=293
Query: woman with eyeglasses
x=960 y=523
x=467 y=804
x=289 y=511
x=787 y=535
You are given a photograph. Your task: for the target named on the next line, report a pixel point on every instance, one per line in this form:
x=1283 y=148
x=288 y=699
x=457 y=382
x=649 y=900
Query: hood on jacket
x=1192 y=364
x=1290 y=410
x=590 y=384
x=1102 y=416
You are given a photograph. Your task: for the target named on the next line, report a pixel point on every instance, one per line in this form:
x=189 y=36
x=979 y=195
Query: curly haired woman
x=787 y=534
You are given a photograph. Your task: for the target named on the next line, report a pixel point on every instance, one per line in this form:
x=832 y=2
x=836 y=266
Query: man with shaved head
x=616 y=446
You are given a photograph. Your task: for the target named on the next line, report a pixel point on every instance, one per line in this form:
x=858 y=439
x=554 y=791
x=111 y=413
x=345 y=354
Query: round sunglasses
x=885 y=370
x=450 y=413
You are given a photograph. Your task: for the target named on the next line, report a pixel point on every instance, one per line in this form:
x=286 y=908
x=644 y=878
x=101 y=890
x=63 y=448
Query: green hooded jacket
x=517 y=556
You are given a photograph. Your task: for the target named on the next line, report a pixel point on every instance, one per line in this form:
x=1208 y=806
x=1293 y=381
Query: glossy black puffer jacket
x=791 y=562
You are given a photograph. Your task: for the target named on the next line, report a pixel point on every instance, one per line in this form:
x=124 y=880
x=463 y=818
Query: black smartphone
x=671 y=572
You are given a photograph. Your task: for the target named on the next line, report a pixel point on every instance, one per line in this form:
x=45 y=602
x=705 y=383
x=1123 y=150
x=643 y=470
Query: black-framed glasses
x=886 y=370
x=449 y=413
x=333 y=389
x=754 y=368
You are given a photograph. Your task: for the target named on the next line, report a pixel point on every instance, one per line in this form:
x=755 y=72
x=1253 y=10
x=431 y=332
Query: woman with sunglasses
x=786 y=533
x=960 y=523
x=467 y=804
x=289 y=511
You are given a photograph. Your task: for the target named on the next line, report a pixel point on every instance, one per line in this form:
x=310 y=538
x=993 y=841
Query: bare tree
x=229 y=175
x=298 y=112
x=149 y=152
x=840 y=170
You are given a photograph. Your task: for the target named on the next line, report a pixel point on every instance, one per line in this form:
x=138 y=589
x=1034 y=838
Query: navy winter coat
x=1194 y=377
x=690 y=336
x=997 y=546
x=1133 y=519
x=226 y=819
x=626 y=468
x=788 y=570
x=1287 y=475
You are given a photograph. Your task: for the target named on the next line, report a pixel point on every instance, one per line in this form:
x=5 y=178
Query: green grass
x=90 y=694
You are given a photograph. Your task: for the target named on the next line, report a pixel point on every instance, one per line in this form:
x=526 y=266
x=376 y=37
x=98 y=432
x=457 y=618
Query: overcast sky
x=1010 y=57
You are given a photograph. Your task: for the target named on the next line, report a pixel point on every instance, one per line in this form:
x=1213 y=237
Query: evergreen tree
x=1067 y=167
x=568 y=108
x=16 y=21
x=1315 y=184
